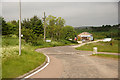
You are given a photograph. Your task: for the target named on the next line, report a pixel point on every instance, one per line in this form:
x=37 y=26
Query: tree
x=30 y=37
x=5 y=27
x=26 y=24
x=54 y=26
x=68 y=32
x=35 y=24
x=0 y=26
x=13 y=27
x=50 y=26
x=9 y=27
x=13 y=22
x=59 y=23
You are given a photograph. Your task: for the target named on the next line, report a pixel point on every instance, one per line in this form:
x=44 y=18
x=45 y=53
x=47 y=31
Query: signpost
x=48 y=40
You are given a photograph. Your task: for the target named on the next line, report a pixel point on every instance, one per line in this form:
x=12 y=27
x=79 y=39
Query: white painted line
x=85 y=55
x=38 y=69
x=70 y=53
x=82 y=55
x=89 y=54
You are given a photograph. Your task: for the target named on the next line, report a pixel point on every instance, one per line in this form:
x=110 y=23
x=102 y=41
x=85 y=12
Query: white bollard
x=94 y=50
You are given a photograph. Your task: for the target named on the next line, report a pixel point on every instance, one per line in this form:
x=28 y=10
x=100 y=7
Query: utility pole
x=20 y=27
x=44 y=27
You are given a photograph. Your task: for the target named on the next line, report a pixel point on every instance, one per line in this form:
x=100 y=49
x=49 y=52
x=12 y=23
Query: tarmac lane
x=66 y=62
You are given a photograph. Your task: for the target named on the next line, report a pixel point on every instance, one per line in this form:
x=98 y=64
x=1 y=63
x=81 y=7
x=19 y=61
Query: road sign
x=48 y=40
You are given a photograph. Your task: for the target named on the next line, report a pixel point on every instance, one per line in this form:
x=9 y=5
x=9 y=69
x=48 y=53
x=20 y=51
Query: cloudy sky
x=75 y=13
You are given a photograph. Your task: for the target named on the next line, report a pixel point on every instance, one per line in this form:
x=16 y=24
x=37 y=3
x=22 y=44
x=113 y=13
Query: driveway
x=66 y=62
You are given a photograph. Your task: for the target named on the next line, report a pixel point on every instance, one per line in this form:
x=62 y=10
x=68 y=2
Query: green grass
x=107 y=56
x=10 y=41
x=113 y=33
x=14 y=65
x=102 y=47
x=53 y=43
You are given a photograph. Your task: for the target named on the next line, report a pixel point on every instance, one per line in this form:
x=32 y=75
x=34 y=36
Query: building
x=85 y=36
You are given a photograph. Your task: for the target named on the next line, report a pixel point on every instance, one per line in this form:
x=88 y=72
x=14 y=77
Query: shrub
x=10 y=41
x=30 y=37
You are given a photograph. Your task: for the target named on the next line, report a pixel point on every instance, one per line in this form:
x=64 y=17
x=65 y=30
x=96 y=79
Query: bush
x=10 y=41
x=30 y=37
x=14 y=65
x=74 y=41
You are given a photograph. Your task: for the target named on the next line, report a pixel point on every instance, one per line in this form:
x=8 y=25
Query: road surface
x=66 y=62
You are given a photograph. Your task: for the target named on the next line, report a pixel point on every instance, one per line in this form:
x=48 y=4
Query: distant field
x=101 y=32
x=102 y=46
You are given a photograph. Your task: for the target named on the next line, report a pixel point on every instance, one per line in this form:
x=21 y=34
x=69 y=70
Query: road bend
x=67 y=62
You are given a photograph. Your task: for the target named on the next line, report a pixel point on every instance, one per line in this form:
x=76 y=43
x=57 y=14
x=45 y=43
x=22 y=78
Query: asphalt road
x=71 y=63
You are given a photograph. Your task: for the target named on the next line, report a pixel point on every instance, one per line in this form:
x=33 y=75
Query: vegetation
x=14 y=65
x=30 y=59
x=102 y=46
x=34 y=25
x=107 y=56
x=32 y=30
x=56 y=29
x=68 y=32
x=105 y=31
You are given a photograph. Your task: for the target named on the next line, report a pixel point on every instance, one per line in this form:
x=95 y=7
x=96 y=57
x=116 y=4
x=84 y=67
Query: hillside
x=101 y=32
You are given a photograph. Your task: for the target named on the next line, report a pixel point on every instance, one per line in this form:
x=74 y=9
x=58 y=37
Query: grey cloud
x=75 y=14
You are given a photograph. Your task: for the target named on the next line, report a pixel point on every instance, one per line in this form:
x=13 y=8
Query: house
x=85 y=36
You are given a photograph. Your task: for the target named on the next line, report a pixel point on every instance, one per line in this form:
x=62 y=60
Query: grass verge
x=14 y=65
x=102 y=47
x=107 y=56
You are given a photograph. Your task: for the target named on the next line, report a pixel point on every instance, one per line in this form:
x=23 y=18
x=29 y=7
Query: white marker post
x=94 y=50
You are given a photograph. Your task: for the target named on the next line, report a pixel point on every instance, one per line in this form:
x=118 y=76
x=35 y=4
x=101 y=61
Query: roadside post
x=48 y=40
x=44 y=26
x=20 y=27
x=94 y=50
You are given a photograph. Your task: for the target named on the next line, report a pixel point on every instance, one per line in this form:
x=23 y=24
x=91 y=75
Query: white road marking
x=38 y=69
x=82 y=55
x=85 y=55
x=89 y=54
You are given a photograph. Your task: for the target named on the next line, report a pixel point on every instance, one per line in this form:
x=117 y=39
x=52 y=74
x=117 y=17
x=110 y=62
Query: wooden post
x=44 y=27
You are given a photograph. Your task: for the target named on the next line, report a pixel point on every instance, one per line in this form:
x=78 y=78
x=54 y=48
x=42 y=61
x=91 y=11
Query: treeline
x=105 y=28
x=103 y=31
x=33 y=29
x=55 y=29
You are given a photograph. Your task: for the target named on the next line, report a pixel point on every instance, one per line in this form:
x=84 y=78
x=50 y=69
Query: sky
x=76 y=14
